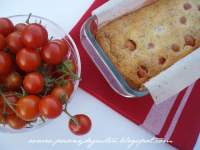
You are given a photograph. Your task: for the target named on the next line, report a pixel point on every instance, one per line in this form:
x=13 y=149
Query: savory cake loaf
x=143 y=43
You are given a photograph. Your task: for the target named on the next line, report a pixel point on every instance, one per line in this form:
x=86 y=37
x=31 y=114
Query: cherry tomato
x=63 y=45
x=15 y=122
x=65 y=91
x=13 y=81
x=5 y=63
x=34 y=82
x=2 y=42
x=34 y=36
x=28 y=60
x=12 y=99
x=14 y=41
x=27 y=107
x=50 y=107
x=59 y=93
x=69 y=88
x=20 y=27
x=6 y=26
x=52 y=53
x=83 y=126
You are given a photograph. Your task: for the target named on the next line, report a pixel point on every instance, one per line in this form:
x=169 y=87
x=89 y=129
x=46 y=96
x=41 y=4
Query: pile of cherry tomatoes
x=36 y=77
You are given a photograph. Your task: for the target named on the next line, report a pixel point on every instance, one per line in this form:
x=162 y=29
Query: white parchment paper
x=116 y=8
x=169 y=82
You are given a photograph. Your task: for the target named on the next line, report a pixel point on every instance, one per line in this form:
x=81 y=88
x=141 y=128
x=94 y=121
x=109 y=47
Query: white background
x=106 y=123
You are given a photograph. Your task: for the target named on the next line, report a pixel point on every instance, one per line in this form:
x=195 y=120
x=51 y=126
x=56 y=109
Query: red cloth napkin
x=176 y=119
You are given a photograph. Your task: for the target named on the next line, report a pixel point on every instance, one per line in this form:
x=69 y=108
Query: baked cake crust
x=143 y=43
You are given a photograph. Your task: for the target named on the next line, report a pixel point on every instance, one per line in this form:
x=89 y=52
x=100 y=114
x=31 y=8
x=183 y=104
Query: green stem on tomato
x=6 y=101
x=4 y=114
x=51 y=38
x=49 y=83
x=67 y=67
x=61 y=77
x=4 y=108
x=72 y=118
x=13 y=94
x=42 y=118
x=66 y=102
x=29 y=125
x=23 y=91
x=28 y=19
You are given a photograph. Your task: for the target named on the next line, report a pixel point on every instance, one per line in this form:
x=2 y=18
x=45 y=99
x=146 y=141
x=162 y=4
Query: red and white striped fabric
x=176 y=119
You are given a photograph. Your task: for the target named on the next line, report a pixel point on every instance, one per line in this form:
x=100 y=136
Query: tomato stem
x=4 y=114
x=67 y=65
x=29 y=125
x=51 y=38
x=42 y=118
x=23 y=91
x=4 y=108
x=49 y=83
x=28 y=19
x=61 y=77
x=13 y=94
x=6 y=101
x=72 y=118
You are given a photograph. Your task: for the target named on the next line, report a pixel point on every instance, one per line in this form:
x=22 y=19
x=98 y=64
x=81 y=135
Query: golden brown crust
x=163 y=33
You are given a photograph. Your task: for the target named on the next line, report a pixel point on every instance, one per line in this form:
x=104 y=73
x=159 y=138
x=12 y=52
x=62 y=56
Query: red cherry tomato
x=69 y=88
x=6 y=26
x=34 y=83
x=28 y=60
x=27 y=107
x=83 y=126
x=52 y=53
x=15 y=122
x=34 y=36
x=62 y=43
x=20 y=27
x=59 y=93
x=12 y=99
x=13 y=81
x=2 y=42
x=64 y=91
x=14 y=41
x=50 y=107
x=5 y=63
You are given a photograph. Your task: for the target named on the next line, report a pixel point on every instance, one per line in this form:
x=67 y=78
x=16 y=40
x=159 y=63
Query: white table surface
x=106 y=122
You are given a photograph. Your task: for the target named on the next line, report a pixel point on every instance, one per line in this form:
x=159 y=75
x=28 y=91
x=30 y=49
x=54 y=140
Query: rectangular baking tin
x=103 y=63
